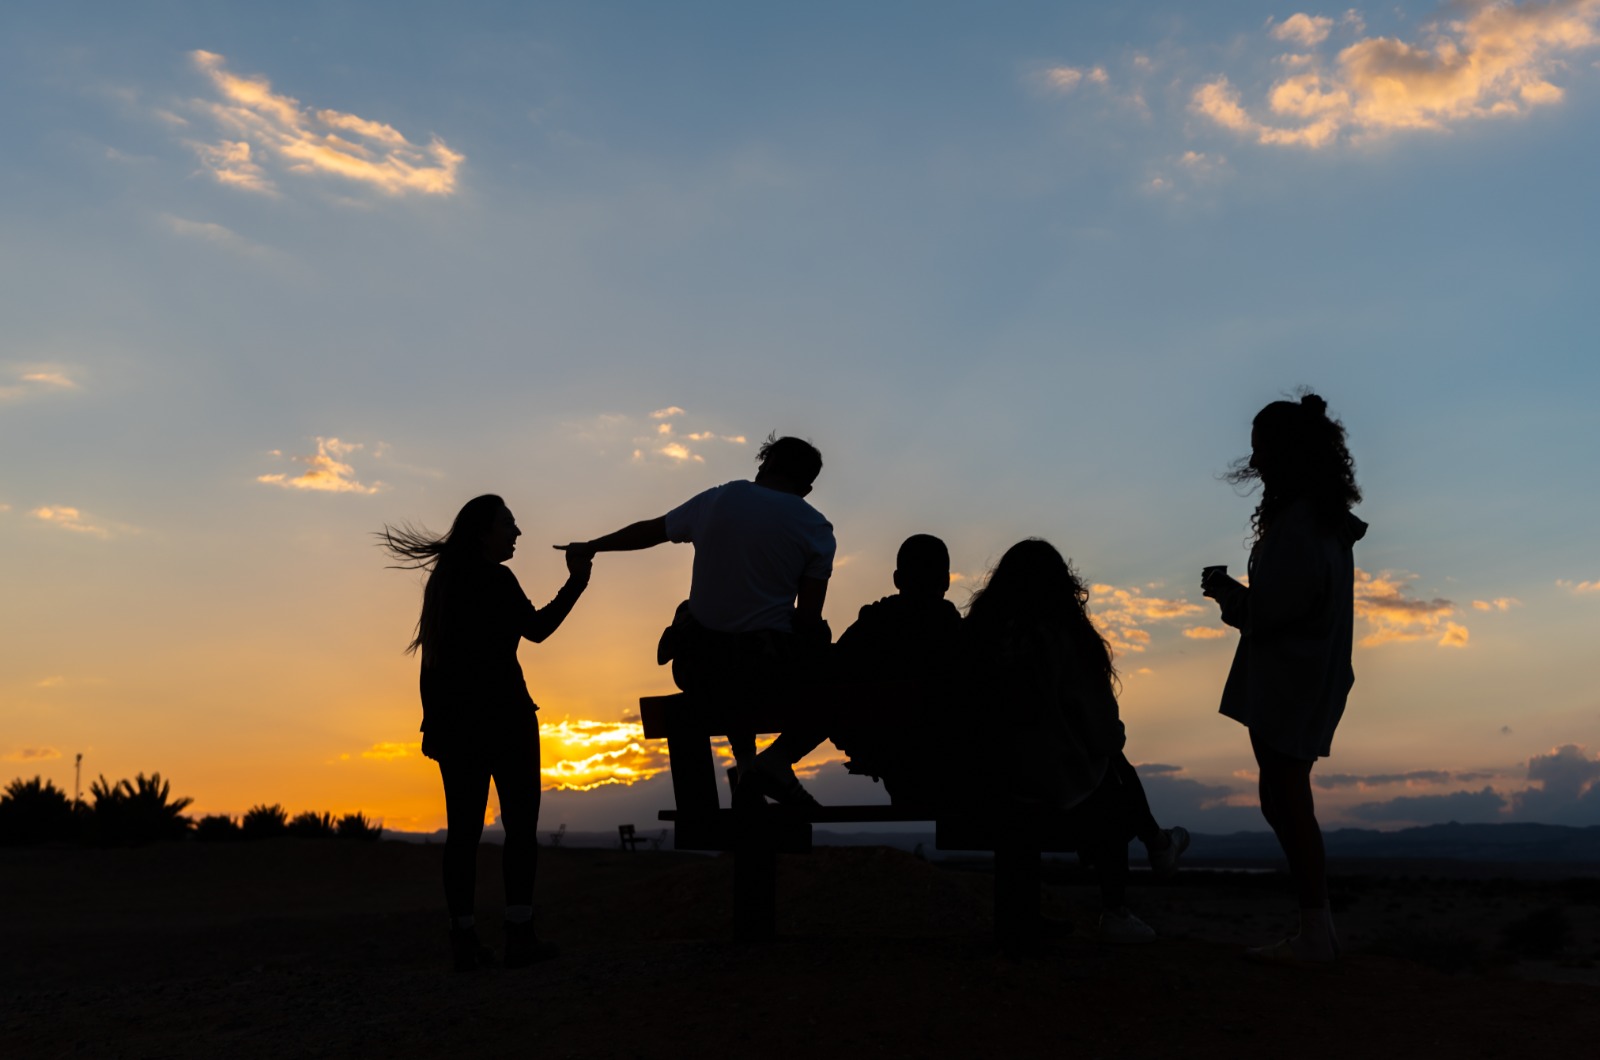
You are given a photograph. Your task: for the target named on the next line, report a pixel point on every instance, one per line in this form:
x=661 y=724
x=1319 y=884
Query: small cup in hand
x=1211 y=575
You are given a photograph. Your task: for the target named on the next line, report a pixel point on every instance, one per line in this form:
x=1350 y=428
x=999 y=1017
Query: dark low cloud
x=1567 y=791
x=1467 y=807
x=1150 y=769
x=1371 y=780
x=1198 y=806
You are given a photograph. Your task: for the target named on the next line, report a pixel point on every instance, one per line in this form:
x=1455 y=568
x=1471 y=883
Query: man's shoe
x=467 y=954
x=525 y=947
x=776 y=778
x=1119 y=927
x=1165 y=862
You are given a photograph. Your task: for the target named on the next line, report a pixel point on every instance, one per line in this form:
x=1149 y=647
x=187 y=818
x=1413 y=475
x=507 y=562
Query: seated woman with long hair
x=478 y=720
x=1047 y=673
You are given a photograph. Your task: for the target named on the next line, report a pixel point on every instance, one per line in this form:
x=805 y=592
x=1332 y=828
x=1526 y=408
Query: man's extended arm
x=647 y=533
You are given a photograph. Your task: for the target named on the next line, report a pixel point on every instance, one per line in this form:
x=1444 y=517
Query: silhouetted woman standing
x=478 y=720
x=1038 y=659
x=1291 y=673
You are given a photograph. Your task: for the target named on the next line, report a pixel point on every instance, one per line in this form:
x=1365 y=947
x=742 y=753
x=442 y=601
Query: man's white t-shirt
x=752 y=545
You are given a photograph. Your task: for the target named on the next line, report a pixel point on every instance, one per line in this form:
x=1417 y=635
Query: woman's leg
x=516 y=781
x=466 y=793
x=1288 y=804
x=1136 y=806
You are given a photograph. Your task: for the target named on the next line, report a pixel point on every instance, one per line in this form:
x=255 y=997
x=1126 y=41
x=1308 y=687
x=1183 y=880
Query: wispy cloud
x=1490 y=60
x=667 y=436
x=36 y=380
x=268 y=135
x=1122 y=614
x=1204 y=632
x=32 y=754
x=1414 y=778
x=1499 y=603
x=74 y=521
x=1392 y=614
x=218 y=235
x=1580 y=588
x=326 y=470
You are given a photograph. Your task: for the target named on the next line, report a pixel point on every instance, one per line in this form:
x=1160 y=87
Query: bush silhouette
x=264 y=822
x=311 y=825
x=35 y=811
x=356 y=826
x=139 y=812
x=215 y=828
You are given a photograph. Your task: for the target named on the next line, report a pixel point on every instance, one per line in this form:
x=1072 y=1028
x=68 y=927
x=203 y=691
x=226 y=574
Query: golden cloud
x=1204 y=633
x=1495 y=61
x=1384 y=602
x=389 y=750
x=670 y=410
x=266 y=128
x=32 y=754
x=326 y=470
x=583 y=755
x=1121 y=614
x=1580 y=587
x=1499 y=603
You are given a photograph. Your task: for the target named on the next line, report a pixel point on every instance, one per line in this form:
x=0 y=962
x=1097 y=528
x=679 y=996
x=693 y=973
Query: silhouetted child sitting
x=909 y=643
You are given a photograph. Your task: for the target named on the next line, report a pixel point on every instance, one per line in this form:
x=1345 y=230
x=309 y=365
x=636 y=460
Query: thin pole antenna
x=77 y=781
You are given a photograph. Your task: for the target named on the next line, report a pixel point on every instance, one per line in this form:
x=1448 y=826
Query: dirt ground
x=305 y=948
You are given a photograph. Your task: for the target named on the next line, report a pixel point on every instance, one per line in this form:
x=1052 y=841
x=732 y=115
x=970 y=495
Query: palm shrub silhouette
x=35 y=811
x=137 y=812
x=264 y=822
x=356 y=826
x=215 y=828
x=311 y=825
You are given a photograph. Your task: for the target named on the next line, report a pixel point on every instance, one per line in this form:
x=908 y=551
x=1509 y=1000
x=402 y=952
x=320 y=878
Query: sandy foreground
x=305 y=948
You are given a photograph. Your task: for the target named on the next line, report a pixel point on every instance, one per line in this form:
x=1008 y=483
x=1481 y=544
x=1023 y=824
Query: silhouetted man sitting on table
x=753 y=621
x=908 y=643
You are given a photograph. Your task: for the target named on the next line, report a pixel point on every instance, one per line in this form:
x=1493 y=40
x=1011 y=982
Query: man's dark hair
x=792 y=458
x=923 y=553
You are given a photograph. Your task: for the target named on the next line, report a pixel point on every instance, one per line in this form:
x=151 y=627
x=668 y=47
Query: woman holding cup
x=1291 y=672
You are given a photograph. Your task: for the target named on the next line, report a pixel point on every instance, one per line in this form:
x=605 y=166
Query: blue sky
x=1017 y=272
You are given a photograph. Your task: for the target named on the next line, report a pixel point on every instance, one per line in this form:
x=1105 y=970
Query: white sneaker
x=1119 y=927
x=1165 y=862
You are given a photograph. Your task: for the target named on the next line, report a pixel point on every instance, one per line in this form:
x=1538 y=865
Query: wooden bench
x=757 y=834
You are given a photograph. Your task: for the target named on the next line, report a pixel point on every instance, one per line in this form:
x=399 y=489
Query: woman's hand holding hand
x=580 y=558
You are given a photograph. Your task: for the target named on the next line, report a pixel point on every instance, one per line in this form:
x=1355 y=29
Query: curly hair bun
x=1314 y=403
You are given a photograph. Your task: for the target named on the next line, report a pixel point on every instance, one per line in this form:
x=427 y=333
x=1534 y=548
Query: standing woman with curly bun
x=1291 y=672
x=478 y=721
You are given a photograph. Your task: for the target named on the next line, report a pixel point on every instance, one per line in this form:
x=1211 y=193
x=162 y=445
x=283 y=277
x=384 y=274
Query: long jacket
x=1053 y=712
x=472 y=684
x=1292 y=673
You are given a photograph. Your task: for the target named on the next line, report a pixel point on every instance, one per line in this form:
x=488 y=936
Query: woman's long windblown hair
x=1033 y=585
x=415 y=549
x=1298 y=451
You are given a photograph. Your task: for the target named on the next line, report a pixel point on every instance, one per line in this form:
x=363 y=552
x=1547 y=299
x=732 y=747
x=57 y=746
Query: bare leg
x=1288 y=805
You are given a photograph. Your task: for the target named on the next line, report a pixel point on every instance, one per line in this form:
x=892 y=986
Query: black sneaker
x=525 y=947
x=467 y=954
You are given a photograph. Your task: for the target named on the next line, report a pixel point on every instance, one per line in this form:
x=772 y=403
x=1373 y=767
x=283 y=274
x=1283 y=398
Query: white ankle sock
x=519 y=914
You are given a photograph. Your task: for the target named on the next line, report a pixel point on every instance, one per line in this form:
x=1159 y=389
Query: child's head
x=922 y=567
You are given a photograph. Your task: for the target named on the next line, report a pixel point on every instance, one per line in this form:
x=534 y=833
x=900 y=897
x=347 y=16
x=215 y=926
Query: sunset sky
x=272 y=276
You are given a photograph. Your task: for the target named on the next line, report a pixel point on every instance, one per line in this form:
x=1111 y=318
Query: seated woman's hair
x=793 y=458
x=1034 y=585
x=1299 y=451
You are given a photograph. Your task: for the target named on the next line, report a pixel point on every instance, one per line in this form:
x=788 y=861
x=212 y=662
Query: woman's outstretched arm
x=539 y=624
